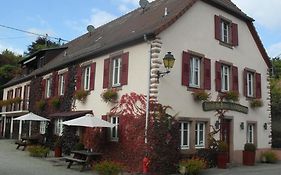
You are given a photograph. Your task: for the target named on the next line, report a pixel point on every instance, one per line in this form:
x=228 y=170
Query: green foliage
x=108 y=168
x=109 y=95
x=39 y=44
x=256 y=103
x=38 y=151
x=250 y=147
x=222 y=146
x=55 y=101
x=41 y=104
x=276 y=67
x=79 y=146
x=81 y=95
x=269 y=157
x=231 y=96
x=200 y=95
x=193 y=166
x=69 y=139
x=10 y=101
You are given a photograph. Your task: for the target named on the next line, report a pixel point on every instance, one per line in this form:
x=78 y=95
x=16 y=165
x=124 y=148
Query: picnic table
x=83 y=157
x=25 y=141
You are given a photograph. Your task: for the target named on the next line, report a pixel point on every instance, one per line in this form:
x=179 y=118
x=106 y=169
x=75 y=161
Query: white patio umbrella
x=89 y=121
x=29 y=117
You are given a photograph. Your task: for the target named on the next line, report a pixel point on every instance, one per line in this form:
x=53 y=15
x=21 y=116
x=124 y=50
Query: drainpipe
x=148 y=89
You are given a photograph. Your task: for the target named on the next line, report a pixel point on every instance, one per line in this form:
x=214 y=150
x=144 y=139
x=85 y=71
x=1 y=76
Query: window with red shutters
x=218 y=76
x=258 y=85
x=115 y=71
x=196 y=71
x=252 y=84
x=226 y=31
x=235 y=86
x=92 y=76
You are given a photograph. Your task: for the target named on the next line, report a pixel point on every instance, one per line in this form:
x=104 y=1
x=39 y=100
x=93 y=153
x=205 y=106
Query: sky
x=68 y=19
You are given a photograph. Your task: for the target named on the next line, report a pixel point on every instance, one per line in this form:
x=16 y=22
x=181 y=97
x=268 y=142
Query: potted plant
x=109 y=95
x=55 y=102
x=231 y=96
x=192 y=166
x=269 y=157
x=108 y=168
x=249 y=154
x=41 y=104
x=200 y=95
x=256 y=103
x=81 y=95
x=58 y=147
x=222 y=155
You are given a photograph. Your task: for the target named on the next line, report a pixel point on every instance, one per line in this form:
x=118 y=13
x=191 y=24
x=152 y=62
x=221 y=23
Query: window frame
x=192 y=71
x=42 y=127
x=225 y=84
x=250 y=84
x=116 y=71
x=182 y=130
x=225 y=32
x=197 y=135
x=48 y=88
x=86 y=78
x=251 y=133
x=61 y=84
x=58 y=127
x=114 y=120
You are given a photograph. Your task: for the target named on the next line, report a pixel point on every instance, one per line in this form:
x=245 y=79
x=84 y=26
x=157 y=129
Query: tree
x=40 y=43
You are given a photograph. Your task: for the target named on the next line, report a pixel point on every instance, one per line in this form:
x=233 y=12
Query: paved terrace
x=17 y=162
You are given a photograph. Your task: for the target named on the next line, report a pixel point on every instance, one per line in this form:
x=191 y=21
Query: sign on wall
x=213 y=105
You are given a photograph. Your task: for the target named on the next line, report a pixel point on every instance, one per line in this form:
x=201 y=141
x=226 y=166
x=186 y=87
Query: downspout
x=148 y=88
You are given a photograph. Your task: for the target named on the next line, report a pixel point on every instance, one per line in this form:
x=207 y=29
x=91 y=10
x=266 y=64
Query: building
x=216 y=47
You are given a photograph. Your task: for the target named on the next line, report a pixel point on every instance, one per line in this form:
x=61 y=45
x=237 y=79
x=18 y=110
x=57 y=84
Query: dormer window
x=226 y=31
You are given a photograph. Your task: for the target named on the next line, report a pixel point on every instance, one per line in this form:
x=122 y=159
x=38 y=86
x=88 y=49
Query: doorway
x=225 y=134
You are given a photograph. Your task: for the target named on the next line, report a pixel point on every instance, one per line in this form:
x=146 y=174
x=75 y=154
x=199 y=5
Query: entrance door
x=225 y=134
x=8 y=127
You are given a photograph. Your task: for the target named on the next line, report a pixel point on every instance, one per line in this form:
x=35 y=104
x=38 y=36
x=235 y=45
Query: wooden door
x=225 y=133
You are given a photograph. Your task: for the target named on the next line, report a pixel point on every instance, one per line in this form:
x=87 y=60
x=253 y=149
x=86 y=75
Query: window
x=86 y=78
x=250 y=84
x=116 y=70
x=250 y=133
x=225 y=77
x=43 y=125
x=226 y=31
x=48 y=87
x=58 y=127
x=61 y=84
x=195 y=64
x=200 y=135
x=114 y=130
x=184 y=133
x=17 y=106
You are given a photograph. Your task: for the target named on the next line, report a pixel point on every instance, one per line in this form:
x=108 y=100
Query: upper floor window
x=114 y=130
x=226 y=31
x=86 y=78
x=200 y=135
x=61 y=84
x=196 y=71
x=26 y=93
x=184 y=133
x=48 y=87
x=252 y=84
x=226 y=77
x=115 y=71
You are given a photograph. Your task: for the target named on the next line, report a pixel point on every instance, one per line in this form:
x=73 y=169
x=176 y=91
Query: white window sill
x=184 y=147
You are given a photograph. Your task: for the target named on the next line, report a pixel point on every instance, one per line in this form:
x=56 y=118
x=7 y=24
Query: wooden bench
x=71 y=160
x=20 y=143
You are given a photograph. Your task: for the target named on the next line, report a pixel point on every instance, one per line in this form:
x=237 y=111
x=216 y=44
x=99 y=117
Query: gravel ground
x=17 y=162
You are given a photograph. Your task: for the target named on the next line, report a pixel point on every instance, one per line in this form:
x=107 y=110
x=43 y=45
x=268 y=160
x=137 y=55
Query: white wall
x=14 y=88
x=195 y=31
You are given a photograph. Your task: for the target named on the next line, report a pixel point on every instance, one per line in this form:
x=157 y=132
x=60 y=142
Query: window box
x=256 y=103
x=231 y=96
x=41 y=104
x=200 y=95
x=55 y=102
x=81 y=95
x=110 y=95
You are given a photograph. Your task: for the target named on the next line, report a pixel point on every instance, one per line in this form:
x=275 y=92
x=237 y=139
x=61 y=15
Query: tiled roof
x=127 y=30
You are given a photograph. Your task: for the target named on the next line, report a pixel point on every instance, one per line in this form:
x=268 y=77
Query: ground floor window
x=250 y=133
x=43 y=125
x=114 y=131
x=200 y=135
x=58 y=127
x=184 y=130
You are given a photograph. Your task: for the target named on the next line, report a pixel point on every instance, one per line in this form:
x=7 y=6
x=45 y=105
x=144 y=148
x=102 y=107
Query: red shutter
x=218 y=76
x=106 y=73
x=234 y=28
x=258 y=85
x=235 y=84
x=104 y=117
x=78 y=78
x=124 y=69
x=24 y=97
x=207 y=74
x=245 y=87
x=43 y=88
x=185 y=68
x=217 y=27
x=55 y=83
x=92 y=76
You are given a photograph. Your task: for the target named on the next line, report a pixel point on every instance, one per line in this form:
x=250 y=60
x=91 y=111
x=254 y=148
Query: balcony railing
x=15 y=104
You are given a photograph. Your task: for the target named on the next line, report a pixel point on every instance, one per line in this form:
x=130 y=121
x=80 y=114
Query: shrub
x=200 y=95
x=269 y=157
x=55 y=102
x=209 y=155
x=193 y=166
x=38 y=151
x=109 y=95
x=231 y=96
x=81 y=95
x=41 y=104
x=79 y=146
x=249 y=147
x=256 y=103
x=222 y=146
x=108 y=168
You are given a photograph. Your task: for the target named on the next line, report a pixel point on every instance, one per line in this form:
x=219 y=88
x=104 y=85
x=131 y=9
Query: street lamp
x=168 y=61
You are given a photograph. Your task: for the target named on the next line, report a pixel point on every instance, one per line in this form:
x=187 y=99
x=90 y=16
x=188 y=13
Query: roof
x=127 y=30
